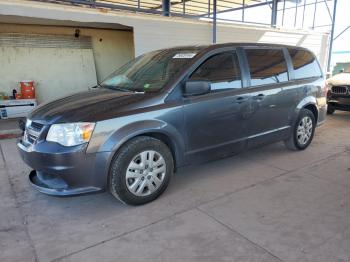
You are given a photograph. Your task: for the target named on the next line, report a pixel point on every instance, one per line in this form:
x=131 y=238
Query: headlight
x=28 y=123
x=71 y=134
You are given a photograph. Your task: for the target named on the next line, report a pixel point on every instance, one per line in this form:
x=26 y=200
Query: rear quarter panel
x=312 y=92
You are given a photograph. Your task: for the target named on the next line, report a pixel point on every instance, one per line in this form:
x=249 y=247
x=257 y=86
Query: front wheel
x=330 y=110
x=303 y=131
x=141 y=171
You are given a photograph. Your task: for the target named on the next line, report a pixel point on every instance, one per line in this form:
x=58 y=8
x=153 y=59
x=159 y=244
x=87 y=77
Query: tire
x=330 y=110
x=295 y=142
x=132 y=177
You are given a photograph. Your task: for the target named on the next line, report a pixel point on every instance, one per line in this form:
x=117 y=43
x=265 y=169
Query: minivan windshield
x=150 y=72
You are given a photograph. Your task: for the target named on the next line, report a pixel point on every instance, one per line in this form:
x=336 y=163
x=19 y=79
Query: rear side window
x=267 y=66
x=304 y=63
x=221 y=70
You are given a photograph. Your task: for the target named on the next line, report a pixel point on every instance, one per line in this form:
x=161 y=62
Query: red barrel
x=27 y=89
x=18 y=96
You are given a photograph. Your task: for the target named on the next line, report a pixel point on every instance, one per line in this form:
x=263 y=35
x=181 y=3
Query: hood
x=339 y=79
x=90 y=106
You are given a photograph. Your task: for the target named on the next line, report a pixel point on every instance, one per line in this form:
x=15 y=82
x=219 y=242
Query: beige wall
x=57 y=72
x=62 y=71
x=115 y=49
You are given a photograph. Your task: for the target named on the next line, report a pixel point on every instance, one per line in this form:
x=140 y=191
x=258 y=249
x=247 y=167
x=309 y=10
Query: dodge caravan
x=171 y=108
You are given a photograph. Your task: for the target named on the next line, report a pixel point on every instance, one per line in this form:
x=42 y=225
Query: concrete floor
x=9 y=124
x=268 y=204
x=9 y=128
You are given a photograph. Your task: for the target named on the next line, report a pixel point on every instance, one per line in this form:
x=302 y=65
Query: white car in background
x=338 y=96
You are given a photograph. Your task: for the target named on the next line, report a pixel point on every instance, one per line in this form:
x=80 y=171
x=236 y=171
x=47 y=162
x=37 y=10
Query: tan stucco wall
x=57 y=72
x=115 y=49
x=62 y=71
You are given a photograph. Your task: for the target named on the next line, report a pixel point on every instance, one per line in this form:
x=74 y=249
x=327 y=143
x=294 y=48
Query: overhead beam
x=332 y=36
x=214 y=21
x=240 y=8
x=342 y=32
x=274 y=13
x=166 y=7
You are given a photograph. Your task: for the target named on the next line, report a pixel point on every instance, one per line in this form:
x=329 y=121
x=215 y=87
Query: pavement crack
x=18 y=206
x=122 y=234
x=2 y=155
x=162 y=219
x=238 y=233
x=300 y=167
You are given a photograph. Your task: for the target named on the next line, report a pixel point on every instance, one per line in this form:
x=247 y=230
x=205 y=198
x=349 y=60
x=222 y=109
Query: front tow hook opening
x=45 y=180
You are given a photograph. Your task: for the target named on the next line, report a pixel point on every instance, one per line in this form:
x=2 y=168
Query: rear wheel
x=141 y=171
x=303 y=131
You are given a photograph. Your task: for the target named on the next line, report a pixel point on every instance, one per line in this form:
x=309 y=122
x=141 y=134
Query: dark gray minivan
x=170 y=108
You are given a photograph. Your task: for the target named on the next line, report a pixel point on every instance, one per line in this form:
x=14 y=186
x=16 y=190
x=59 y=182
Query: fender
x=122 y=133
x=309 y=100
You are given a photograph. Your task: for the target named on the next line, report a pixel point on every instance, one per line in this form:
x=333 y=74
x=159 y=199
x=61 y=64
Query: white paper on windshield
x=184 y=55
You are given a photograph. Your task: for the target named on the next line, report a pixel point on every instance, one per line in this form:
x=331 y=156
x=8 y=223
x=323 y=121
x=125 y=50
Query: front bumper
x=56 y=186
x=63 y=171
x=339 y=102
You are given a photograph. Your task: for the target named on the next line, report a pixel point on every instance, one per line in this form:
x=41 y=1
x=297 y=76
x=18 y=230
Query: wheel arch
x=166 y=139
x=313 y=109
x=166 y=133
x=309 y=103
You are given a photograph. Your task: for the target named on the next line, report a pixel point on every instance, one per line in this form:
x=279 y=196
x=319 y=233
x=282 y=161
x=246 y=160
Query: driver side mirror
x=195 y=88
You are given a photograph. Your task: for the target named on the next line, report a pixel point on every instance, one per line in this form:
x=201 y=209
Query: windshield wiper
x=96 y=86
x=117 y=88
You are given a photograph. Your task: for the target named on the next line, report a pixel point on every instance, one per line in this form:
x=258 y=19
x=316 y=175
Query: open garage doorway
x=61 y=60
x=58 y=64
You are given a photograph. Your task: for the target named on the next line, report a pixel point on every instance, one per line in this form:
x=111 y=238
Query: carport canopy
x=191 y=7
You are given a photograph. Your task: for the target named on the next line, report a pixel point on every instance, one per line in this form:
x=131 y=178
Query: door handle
x=241 y=99
x=259 y=97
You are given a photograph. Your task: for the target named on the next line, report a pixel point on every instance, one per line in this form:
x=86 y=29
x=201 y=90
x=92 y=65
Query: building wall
x=172 y=33
x=340 y=67
x=154 y=32
x=62 y=71
x=115 y=48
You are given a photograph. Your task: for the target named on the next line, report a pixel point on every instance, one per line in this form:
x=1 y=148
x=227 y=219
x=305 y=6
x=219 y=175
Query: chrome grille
x=36 y=126
x=32 y=132
x=340 y=90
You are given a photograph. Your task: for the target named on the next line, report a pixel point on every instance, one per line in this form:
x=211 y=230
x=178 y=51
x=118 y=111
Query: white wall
x=154 y=32
x=172 y=33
